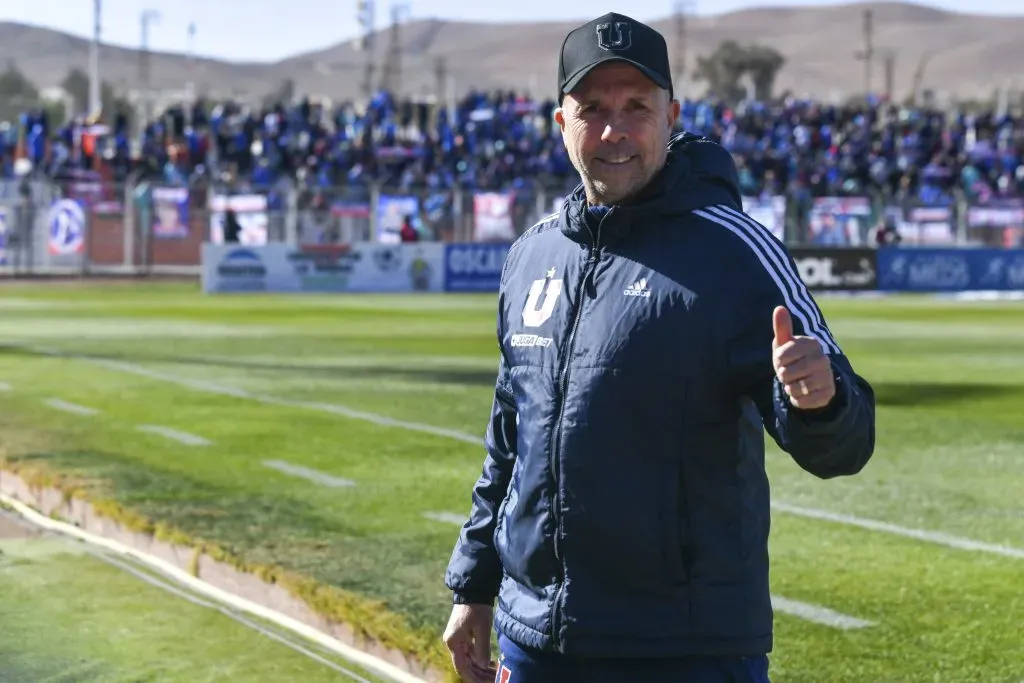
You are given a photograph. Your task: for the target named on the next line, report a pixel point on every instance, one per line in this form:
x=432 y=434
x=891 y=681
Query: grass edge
x=371 y=623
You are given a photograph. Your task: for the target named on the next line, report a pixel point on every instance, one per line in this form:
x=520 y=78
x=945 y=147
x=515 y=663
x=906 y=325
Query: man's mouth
x=616 y=160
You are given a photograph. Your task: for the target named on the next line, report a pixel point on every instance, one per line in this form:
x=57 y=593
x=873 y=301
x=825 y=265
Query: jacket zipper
x=588 y=271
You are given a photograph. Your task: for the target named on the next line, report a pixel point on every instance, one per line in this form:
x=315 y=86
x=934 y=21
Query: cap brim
x=578 y=77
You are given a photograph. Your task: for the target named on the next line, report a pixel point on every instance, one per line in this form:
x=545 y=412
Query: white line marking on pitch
x=380 y=666
x=174 y=435
x=4 y=386
x=449 y=517
x=818 y=615
x=802 y=610
x=935 y=537
x=305 y=473
x=344 y=411
x=69 y=407
x=918 y=534
x=231 y=614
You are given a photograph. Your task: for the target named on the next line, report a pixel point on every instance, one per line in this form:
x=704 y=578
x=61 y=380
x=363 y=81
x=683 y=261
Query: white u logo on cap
x=614 y=37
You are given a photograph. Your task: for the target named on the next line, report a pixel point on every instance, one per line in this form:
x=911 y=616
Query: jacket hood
x=698 y=173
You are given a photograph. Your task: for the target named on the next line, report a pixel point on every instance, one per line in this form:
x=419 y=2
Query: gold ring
x=803 y=387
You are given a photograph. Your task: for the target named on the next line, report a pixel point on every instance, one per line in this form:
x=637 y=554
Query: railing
x=91 y=226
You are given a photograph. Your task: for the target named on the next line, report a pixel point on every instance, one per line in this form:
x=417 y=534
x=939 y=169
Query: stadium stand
x=499 y=141
x=803 y=151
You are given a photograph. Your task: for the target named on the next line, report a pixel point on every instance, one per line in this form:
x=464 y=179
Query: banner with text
x=392 y=210
x=839 y=221
x=250 y=211
x=836 y=269
x=170 y=212
x=922 y=269
x=492 y=217
x=359 y=267
x=473 y=267
x=769 y=211
x=3 y=235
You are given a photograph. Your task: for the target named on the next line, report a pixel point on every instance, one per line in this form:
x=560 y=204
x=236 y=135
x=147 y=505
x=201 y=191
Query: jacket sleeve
x=833 y=441
x=474 y=572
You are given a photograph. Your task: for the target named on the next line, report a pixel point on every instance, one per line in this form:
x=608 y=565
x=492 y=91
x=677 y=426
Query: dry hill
x=964 y=55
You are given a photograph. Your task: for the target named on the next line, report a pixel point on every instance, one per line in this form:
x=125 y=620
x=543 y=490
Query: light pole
x=95 y=101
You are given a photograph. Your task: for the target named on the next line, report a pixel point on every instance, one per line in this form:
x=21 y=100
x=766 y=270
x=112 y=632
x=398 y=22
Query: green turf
x=68 y=617
x=950 y=455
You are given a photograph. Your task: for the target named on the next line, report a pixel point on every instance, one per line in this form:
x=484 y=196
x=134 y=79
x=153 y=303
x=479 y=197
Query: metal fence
x=100 y=227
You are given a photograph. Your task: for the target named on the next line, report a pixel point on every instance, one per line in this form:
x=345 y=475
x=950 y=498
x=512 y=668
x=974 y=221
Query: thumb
x=782 y=323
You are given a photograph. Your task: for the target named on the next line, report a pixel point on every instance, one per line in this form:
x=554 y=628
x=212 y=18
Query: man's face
x=616 y=125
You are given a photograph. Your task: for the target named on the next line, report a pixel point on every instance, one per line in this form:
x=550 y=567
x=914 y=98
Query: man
x=648 y=333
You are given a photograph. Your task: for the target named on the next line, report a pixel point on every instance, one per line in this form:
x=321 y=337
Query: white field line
x=4 y=386
x=378 y=666
x=935 y=537
x=801 y=610
x=448 y=517
x=314 y=476
x=818 y=615
x=282 y=638
x=68 y=407
x=224 y=390
x=174 y=435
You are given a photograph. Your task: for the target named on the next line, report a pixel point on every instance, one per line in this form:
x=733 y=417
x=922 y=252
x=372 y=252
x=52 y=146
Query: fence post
x=458 y=204
x=374 y=203
x=541 y=206
x=291 y=216
x=128 y=225
x=962 y=207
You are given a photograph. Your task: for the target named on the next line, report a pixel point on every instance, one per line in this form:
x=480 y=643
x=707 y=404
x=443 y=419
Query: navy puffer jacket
x=623 y=508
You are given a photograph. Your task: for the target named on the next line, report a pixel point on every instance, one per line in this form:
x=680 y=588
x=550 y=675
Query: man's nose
x=614 y=129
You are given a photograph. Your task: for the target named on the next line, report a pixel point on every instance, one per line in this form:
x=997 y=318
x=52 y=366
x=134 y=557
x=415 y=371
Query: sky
x=268 y=30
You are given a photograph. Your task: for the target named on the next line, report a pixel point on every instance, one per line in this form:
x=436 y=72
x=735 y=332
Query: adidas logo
x=638 y=288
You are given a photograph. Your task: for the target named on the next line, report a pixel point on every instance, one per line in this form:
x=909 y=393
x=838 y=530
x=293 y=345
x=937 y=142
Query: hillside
x=968 y=55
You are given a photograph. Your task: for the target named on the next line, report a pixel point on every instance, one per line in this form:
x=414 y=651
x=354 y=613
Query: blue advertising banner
x=950 y=270
x=473 y=267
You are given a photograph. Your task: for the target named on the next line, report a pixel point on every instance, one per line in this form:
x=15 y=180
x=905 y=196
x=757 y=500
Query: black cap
x=613 y=37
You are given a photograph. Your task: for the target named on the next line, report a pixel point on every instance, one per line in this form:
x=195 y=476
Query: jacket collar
x=697 y=173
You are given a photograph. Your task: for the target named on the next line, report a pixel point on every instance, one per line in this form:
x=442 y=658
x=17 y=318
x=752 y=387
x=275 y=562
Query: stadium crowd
x=499 y=141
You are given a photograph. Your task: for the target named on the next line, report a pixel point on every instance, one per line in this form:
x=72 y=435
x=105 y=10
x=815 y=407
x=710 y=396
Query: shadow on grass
x=911 y=394
x=902 y=394
x=456 y=376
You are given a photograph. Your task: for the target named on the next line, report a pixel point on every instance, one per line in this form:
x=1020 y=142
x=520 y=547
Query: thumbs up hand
x=801 y=366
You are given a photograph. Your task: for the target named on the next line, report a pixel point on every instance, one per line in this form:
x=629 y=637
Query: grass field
x=388 y=394
x=69 y=614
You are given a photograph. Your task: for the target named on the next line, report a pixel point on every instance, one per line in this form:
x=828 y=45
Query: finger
x=806 y=385
x=485 y=674
x=481 y=650
x=463 y=663
x=818 y=398
x=806 y=368
x=797 y=349
x=782 y=324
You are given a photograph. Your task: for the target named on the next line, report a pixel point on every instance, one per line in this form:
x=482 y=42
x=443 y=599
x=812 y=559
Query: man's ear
x=674 y=107
x=559 y=116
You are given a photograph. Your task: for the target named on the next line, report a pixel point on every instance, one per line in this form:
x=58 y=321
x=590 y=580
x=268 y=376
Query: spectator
x=232 y=228
x=503 y=140
x=408 y=232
